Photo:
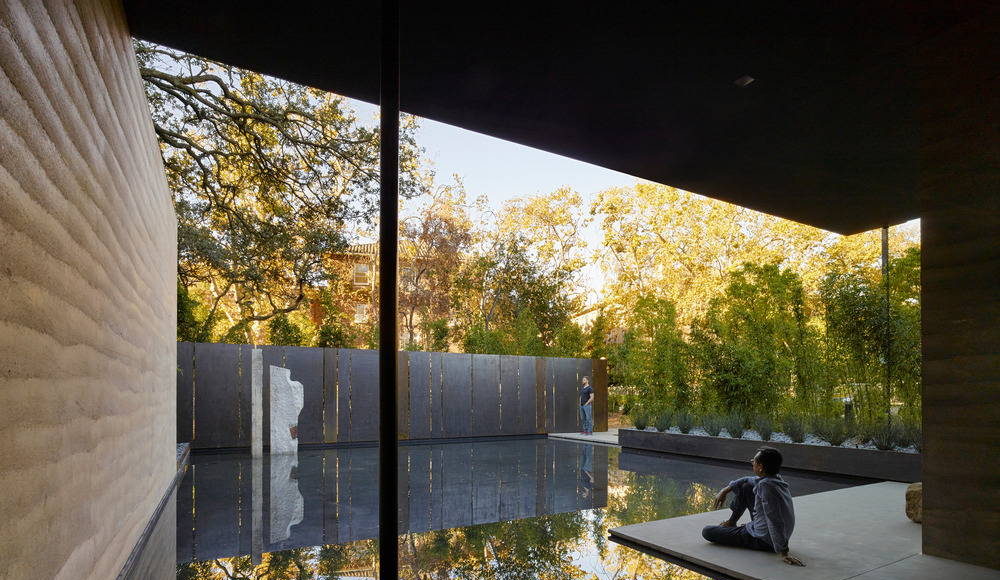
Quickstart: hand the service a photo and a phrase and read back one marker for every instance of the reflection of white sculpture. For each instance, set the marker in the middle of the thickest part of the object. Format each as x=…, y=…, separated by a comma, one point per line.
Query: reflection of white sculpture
x=286, y=501
x=286, y=404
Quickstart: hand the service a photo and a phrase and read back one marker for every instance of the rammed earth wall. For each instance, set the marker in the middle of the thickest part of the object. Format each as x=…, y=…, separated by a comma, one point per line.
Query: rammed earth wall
x=88, y=258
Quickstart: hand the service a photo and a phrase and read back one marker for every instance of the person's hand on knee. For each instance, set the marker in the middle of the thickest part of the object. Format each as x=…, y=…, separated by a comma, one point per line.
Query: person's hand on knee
x=720, y=499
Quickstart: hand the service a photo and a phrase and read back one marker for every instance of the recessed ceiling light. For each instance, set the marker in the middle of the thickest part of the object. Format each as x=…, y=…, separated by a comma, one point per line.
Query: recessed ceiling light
x=743, y=81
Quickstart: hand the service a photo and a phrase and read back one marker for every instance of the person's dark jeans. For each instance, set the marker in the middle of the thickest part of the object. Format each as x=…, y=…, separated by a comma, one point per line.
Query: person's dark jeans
x=738, y=536
x=587, y=418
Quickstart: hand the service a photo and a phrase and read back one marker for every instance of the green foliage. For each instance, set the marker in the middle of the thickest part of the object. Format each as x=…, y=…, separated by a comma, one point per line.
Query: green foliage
x=764, y=427
x=334, y=331
x=640, y=420
x=911, y=434
x=734, y=424
x=884, y=434
x=264, y=173
x=651, y=360
x=437, y=333
x=370, y=337
x=480, y=340
x=503, y=288
x=833, y=430
x=712, y=424
x=685, y=421
x=332, y=335
x=569, y=341
x=754, y=346
x=597, y=345
x=864, y=347
x=794, y=425
x=523, y=337
x=283, y=332
x=191, y=318
x=663, y=420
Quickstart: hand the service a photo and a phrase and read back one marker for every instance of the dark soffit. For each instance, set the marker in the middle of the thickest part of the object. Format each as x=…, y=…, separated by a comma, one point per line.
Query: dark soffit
x=826, y=134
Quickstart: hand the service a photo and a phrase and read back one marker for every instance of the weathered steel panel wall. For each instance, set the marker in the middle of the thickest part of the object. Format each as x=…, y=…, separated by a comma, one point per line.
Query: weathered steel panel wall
x=307, y=368
x=216, y=388
x=457, y=395
x=485, y=395
x=185, y=391
x=510, y=418
x=441, y=395
x=364, y=395
x=420, y=395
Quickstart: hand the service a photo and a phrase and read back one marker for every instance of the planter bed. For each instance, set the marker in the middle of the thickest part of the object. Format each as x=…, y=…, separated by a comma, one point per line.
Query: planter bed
x=890, y=465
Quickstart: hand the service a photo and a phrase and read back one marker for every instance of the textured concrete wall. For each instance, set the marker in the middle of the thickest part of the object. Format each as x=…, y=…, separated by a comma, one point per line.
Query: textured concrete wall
x=87, y=294
x=960, y=193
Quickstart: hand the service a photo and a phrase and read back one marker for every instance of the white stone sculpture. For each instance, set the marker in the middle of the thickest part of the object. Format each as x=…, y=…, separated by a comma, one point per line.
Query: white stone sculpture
x=286, y=404
x=287, y=506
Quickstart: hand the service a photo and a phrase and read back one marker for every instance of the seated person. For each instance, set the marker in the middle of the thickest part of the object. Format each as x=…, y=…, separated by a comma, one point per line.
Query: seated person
x=772, y=516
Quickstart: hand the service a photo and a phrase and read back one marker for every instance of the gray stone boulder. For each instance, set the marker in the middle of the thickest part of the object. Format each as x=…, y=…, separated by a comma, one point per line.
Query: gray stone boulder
x=915, y=502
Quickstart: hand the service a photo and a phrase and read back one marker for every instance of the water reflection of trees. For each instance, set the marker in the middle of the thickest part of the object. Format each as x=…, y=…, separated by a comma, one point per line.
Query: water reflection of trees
x=546, y=547
x=539, y=547
x=357, y=559
x=550, y=547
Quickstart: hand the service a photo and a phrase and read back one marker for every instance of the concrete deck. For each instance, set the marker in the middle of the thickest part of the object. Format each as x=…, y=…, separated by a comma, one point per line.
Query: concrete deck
x=609, y=437
x=858, y=532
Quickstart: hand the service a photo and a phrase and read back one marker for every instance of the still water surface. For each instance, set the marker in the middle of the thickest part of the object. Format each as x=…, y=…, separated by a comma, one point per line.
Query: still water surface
x=508, y=509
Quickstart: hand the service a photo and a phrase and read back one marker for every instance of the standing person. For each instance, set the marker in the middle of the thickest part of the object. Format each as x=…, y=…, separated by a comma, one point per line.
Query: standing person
x=587, y=408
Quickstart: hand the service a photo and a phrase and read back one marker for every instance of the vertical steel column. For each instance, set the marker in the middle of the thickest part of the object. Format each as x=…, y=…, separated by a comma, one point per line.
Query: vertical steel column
x=388, y=503
x=888, y=323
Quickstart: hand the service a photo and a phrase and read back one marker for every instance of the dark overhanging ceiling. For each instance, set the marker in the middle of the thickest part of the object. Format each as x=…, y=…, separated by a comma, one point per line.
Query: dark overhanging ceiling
x=826, y=134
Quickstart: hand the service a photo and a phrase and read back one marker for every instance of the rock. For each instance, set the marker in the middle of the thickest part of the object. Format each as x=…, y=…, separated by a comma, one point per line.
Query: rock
x=915, y=502
x=286, y=404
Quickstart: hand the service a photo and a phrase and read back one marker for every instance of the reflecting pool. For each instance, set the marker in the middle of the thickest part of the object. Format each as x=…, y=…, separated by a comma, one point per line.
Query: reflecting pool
x=503, y=509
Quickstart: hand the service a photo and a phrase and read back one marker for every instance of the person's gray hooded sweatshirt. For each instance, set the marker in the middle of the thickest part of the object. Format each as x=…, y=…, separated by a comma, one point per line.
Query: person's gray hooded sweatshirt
x=773, y=514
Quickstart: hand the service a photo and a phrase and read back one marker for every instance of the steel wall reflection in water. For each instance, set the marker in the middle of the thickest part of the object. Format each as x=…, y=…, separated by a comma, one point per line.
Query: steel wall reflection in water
x=441, y=486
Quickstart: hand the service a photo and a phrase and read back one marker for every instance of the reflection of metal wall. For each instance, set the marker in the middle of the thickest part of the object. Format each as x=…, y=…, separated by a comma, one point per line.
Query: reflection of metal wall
x=441, y=395
x=441, y=486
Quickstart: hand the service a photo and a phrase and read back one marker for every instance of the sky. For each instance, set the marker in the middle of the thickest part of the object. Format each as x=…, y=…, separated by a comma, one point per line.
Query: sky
x=502, y=170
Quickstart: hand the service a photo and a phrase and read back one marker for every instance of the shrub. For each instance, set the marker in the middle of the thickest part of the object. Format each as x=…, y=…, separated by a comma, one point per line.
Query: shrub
x=712, y=424
x=764, y=427
x=663, y=421
x=795, y=427
x=641, y=420
x=914, y=435
x=884, y=434
x=830, y=429
x=685, y=421
x=734, y=425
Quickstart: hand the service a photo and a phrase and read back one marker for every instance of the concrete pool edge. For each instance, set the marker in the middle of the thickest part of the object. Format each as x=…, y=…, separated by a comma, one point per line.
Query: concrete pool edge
x=874, y=464
x=140, y=551
x=840, y=534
